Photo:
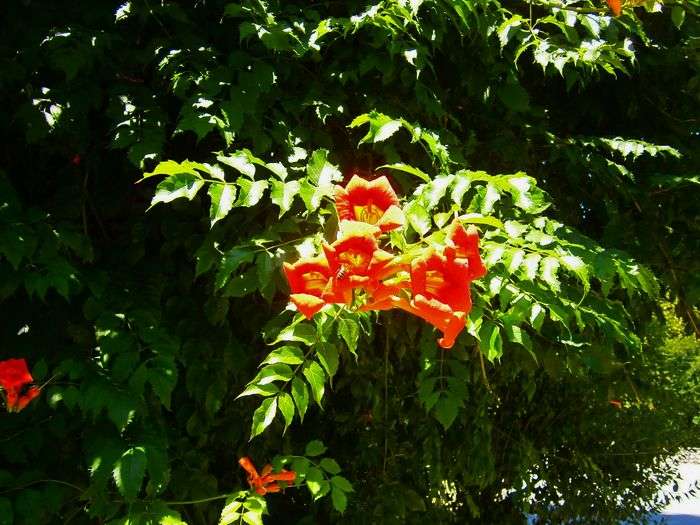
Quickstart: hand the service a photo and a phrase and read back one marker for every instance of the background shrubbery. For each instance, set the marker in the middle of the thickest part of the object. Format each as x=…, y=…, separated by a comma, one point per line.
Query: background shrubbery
x=152, y=322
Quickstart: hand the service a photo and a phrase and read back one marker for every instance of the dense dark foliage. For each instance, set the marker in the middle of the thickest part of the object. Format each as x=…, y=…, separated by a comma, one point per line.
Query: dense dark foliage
x=146, y=324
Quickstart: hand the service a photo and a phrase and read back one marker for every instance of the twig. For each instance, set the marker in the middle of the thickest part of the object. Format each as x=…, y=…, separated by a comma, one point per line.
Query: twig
x=483, y=371
x=582, y=10
x=634, y=389
x=386, y=396
x=36, y=482
x=196, y=501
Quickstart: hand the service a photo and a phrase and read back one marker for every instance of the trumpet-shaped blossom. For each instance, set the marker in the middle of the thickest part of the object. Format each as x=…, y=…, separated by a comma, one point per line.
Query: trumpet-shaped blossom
x=440, y=287
x=464, y=244
x=373, y=202
x=353, y=250
x=16, y=381
x=357, y=262
x=349, y=259
x=309, y=280
x=266, y=481
x=444, y=279
x=441, y=316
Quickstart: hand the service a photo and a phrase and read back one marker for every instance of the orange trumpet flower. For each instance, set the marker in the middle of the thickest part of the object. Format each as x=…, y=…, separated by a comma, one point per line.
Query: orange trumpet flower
x=444, y=279
x=441, y=296
x=464, y=244
x=266, y=481
x=349, y=259
x=441, y=316
x=373, y=202
x=309, y=280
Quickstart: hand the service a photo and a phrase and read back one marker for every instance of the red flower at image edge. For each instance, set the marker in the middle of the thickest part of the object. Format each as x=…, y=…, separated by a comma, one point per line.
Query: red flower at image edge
x=373, y=202
x=16, y=381
x=266, y=481
x=615, y=6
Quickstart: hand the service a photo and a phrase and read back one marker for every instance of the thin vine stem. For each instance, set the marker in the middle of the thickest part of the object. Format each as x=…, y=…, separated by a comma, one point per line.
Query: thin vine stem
x=386, y=397
x=37, y=481
x=197, y=501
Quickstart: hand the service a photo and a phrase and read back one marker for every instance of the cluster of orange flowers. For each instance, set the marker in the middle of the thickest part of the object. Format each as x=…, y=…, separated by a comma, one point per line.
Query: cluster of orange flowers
x=432, y=284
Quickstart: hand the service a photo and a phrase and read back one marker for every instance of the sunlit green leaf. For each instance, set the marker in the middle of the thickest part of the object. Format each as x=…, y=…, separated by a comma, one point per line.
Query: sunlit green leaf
x=286, y=406
x=301, y=396
x=222, y=199
x=263, y=416
x=177, y=186
x=349, y=330
x=283, y=193
x=407, y=169
x=314, y=375
x=491, y=343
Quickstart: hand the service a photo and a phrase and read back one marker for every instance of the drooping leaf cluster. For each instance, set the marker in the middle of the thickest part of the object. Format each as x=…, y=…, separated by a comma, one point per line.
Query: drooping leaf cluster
x=157, y=312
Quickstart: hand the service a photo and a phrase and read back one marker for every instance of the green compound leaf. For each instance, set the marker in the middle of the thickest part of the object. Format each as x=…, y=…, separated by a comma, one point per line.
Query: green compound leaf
x=315, y=376
x=301, y=396
x=340, y=500
x=250, y=192
x=341, y=483
x=272, y=373
x=320, y=170
x=446, y=410
x=407, y=169
x=286, y=406
x=287, y=354
x=282, y=194
x=328, y=356
x=418, y=217
x=381, y=127
x=231, y=512
x=222, y=198
x=170, y=167
x=129, y=471
x=239, y=161
x=315, y=448
x=177, y=186
x=491, y=342
x=349, y=330
x=330, y=465
x=263, y=416
x=302, y=333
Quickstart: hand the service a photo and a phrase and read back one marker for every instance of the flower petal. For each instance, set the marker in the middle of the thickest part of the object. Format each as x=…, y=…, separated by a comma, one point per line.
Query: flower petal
x=308, y=275
x=248, y=466
x=309, y=305
x=464, y=244
x=393, y=218
x=25, y=399
x=14, y=373
x=443, y=278
x=272, y=487
x=284, y=475
x=442, y=317
x=365, y=201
